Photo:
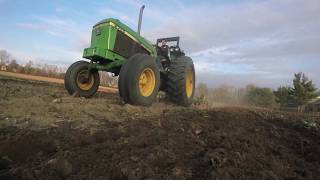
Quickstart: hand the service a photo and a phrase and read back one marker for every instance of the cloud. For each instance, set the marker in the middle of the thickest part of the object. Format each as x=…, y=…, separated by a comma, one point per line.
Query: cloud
x=30, y=26
x=133, y=3
x=74, y=37
x=202, y=27
x=256, y=39
x=108, y=12
x=54, y=26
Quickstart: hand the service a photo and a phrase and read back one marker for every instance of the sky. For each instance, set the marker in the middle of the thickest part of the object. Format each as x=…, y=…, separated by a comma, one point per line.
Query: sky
x=232, y=42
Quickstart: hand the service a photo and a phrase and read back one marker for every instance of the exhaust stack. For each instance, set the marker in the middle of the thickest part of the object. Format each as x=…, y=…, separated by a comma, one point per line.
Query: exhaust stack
x=140, y=18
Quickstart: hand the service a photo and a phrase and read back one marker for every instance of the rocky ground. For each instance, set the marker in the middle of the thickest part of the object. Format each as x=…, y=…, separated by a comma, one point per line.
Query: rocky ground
x=46, y=134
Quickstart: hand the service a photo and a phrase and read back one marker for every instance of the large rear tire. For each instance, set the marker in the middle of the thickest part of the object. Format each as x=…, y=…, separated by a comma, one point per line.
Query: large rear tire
x=180, y=79
x=140, y=81
x=122, y=79
x=79, y=79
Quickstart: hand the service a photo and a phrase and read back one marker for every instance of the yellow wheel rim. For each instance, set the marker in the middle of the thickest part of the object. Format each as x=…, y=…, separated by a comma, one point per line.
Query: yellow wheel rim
x=147, y=82
x=189, y=83
x=83, y=82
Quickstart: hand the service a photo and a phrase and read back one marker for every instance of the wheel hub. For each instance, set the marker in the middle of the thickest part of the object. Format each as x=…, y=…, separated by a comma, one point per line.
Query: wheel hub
x=189, y=83
x=85, y=80
x=147, y=82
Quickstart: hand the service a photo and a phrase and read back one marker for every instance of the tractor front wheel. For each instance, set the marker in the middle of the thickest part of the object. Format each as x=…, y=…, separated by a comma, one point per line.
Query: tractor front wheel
x=79, y=79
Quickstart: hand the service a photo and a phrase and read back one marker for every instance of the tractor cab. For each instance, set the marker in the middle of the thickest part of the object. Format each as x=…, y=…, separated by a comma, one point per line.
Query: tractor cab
x=169, y=47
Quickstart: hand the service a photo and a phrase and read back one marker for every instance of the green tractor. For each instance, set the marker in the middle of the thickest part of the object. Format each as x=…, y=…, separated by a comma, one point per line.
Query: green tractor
x=143, y=68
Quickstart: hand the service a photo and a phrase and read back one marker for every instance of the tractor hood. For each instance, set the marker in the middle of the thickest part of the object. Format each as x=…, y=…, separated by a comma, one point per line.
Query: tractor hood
x=129, y=32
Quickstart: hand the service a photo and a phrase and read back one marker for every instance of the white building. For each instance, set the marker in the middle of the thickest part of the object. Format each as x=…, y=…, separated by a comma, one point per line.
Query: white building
x=3, y=68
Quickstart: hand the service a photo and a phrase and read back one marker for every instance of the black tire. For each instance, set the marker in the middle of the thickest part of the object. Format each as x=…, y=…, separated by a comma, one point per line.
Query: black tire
x=122, y=79
x=163, y=81
x=77, y=81
x=138, y=65
x=67, y=78
x=176, y=85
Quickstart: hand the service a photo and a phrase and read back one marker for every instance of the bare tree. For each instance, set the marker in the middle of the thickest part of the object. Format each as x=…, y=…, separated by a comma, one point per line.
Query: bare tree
x=4, y=57
x=13, y=65
x=203, y=90
x=28, y=67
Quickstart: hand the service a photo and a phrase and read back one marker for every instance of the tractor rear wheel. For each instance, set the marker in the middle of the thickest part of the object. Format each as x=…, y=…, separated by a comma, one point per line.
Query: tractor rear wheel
x=122, y=79
x=180, y=79
x=140, y=81
x=79, y=79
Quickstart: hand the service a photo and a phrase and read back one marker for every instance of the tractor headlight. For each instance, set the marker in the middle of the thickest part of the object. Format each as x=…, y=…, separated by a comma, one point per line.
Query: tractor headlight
x=177, y=49
x=98, y=31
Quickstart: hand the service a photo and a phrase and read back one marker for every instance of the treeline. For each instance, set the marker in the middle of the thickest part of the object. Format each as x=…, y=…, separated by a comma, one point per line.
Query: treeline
x=107, y=80
x=301, y=92
x=54, y=71
x=46, y=70
x=250, y=95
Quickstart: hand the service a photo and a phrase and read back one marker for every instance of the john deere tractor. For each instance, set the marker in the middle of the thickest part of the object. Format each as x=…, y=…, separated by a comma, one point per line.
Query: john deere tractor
x=143, y=68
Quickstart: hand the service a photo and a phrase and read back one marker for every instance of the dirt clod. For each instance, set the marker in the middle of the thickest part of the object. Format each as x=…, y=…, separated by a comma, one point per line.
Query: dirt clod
x=58, y=100
x=5, y=162
x=62, y=166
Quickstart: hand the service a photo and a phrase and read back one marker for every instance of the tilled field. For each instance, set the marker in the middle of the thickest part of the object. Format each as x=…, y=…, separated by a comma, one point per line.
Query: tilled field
x=46, y=134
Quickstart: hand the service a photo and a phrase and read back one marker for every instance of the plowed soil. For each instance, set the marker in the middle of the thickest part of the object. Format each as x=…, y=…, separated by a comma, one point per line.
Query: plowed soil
x=46, y=134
